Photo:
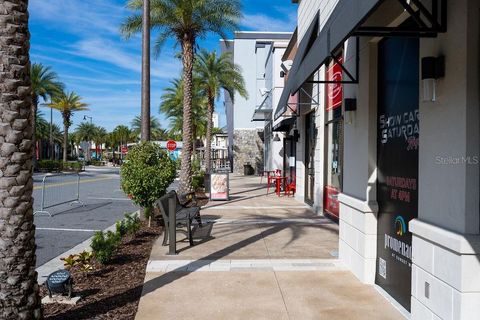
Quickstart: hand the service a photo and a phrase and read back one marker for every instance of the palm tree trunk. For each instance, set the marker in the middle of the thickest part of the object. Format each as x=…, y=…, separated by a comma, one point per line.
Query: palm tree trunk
x=34, y=129
x=146, y=72
x=18, y=278
x=65, y=141
x=185, y=181
x=194, y=141
x=208, y=147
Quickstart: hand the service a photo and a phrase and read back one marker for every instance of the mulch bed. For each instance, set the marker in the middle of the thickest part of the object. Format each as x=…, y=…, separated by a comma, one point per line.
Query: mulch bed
x=111, y=291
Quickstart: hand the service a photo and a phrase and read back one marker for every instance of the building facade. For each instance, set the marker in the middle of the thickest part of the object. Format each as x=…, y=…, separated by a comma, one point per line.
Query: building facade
x=250, y=51
x=384, y=100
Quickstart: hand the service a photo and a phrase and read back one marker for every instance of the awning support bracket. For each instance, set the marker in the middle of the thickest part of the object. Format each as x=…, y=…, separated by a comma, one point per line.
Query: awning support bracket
x=436, y=23
x=353, y=79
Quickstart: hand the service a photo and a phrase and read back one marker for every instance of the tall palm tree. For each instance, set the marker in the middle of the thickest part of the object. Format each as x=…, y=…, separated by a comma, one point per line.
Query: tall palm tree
x=172, y=107
x=216, y=73
x=18, y=278
x=86, y=132
x=67, y=104
x=45, y=85
x=186, y=21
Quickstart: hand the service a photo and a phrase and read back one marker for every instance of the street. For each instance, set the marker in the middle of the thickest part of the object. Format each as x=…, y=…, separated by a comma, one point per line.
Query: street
x=102, y=203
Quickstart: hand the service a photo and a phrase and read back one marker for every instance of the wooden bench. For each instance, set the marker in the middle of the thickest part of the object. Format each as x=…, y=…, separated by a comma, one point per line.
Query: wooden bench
x=184, y=216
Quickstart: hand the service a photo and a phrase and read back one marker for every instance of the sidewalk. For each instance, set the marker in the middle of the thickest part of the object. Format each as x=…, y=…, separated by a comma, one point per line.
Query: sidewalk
x=266, y=258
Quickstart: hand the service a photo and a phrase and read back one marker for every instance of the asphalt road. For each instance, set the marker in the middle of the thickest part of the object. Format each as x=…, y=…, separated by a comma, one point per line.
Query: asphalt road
x=102, y=204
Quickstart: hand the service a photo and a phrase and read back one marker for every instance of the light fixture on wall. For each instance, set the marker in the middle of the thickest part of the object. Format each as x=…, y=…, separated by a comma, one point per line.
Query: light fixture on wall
x=350, y=109
x=433, y=68
x=276, y=138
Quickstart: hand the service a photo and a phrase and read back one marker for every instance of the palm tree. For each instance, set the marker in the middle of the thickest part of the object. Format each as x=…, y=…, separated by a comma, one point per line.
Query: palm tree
x=172, y=107
x=45, y=85
x=123, y=135
x=99, y=137
x=18, y=290
x=156, y=131
x=186, y=21
x=215, y=73
x=86, y=132
x=67, y=104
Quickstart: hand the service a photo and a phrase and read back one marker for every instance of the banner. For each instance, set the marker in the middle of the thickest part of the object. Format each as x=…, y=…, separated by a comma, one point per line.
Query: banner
x=219, y=185
x=397, y=163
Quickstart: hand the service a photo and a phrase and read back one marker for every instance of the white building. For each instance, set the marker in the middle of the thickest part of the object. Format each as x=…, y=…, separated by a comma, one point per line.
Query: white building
x=250, y=51
x=384, y=96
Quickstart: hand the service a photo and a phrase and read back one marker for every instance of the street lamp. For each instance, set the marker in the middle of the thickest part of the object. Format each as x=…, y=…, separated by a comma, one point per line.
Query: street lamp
x=89, y=142
x=85, y=118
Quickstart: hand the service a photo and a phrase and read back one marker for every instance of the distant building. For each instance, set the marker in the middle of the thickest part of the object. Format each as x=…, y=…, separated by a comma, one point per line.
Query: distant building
x=215, y=120
x=251, y=51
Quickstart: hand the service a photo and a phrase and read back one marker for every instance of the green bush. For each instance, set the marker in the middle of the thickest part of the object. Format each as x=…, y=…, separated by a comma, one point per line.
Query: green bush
x=146, y=174
x=104, y=245
x=97, y=163
x=132, y=223
x=50, y=165
x=198, y=180
x=73, y=166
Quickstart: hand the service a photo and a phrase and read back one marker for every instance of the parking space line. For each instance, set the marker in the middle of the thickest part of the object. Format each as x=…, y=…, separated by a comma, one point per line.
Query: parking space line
x=65, y=229
x=73, y=182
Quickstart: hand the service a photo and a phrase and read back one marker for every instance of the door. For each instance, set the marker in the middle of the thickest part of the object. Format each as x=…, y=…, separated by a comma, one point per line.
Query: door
x=310, y=143
x=397, y=163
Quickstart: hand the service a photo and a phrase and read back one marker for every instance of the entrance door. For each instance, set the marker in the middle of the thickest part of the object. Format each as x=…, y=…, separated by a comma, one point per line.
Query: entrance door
x=397, y=162
x=310, y=142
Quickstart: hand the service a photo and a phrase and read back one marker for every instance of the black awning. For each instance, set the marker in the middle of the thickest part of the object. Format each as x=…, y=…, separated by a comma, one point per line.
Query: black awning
x=302, y=51
x=345, y=18
x=284, y=125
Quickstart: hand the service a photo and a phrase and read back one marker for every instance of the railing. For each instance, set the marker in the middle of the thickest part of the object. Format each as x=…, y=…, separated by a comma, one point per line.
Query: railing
x=59, y=189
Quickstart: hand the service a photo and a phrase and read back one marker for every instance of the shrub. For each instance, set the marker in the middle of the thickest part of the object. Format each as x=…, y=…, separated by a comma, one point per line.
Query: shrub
x=147, y=173
x=132, y=223
x=73, y=166
x=121, y=228
x=104, y=245
x=50, y=165
x=198, y=180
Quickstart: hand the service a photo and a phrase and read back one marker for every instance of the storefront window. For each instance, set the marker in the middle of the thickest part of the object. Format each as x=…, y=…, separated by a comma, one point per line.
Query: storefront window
x=334, y=140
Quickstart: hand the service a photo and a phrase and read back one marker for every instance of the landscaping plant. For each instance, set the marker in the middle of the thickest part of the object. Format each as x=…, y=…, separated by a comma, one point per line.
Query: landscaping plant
x=146, y=175
x=104, y=245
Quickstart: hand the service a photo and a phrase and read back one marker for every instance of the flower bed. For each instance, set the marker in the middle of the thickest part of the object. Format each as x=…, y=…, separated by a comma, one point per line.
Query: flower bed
x=110, y=291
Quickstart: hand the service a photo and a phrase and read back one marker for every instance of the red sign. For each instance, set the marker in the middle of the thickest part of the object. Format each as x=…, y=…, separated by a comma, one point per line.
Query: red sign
x=330, y=201
x=124, y=149
x=334, y=90
x=171, y=145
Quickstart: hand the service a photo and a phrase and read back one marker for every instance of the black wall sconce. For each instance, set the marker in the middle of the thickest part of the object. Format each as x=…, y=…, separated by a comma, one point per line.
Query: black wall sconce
x=350, y=108
x=433, y=68
x=276, y=138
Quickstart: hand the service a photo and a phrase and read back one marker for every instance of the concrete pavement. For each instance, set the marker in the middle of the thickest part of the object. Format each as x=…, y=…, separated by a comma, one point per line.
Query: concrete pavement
x=261, y=257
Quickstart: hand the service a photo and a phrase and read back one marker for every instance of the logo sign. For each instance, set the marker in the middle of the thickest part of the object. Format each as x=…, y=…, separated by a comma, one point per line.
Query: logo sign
x=171, y=145
x=334, y=90
x=124, y=149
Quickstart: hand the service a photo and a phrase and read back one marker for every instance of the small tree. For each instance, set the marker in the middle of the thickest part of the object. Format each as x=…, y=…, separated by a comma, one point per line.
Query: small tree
x=146, y=175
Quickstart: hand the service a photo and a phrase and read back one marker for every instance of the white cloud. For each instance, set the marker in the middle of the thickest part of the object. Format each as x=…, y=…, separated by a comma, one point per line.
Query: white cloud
x=109, y=52
x=102, y=16
x=262, y=22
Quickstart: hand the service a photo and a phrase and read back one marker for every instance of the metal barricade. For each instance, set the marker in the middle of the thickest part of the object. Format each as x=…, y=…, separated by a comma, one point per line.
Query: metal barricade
x=57, y=189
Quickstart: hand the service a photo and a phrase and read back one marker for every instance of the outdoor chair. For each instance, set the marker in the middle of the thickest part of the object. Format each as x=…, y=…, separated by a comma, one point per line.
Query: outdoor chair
x=290, y=187
x=184, y=216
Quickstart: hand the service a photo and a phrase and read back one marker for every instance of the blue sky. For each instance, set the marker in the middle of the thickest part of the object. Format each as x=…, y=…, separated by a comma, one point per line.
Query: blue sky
x=80, y=40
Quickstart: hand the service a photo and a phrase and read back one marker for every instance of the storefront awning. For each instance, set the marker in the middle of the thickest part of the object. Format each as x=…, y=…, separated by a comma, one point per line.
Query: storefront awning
x=347, y=20
x=303, y=49
x=284, y=125
x=263, y=112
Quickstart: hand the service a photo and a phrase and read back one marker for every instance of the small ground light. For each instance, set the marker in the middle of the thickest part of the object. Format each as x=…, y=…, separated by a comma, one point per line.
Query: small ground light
x=60, y=282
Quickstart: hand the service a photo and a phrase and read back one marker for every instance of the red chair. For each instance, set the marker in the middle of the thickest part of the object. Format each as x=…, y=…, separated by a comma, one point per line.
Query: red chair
x=291, y=187
x=271, y=179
